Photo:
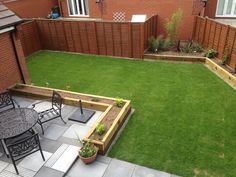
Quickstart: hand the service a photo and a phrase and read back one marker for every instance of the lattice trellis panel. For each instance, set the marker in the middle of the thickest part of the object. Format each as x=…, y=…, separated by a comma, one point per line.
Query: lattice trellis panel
x=119, y=16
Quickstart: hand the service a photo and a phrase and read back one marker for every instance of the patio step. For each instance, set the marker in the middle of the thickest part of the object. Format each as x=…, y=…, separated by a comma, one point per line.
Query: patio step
x=63, y=158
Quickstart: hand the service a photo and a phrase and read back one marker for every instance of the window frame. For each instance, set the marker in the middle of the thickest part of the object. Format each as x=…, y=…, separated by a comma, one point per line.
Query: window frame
x=225, y=9
x=83, y=8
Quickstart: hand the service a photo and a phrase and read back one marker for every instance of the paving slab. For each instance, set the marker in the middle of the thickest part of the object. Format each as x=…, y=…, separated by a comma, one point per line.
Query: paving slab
x=56, y=155
x=43, y=106
x=96, y=169
x=104, y=159
x=54, y=131
x=94, y=119
x=3, y=165
x=48, y=172
x=141, y=171
x=50, y=145
x=23, y=102
x=10, y=170
x=34, y=161
x=76, y=131
x=66, y=159
x=8, y=174
x=119, y=168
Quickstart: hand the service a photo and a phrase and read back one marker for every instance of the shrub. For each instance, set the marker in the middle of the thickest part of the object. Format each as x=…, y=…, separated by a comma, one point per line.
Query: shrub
x=190, y=47
x=172, y=27
x=187, y=48
x=119, y=102
x=155, y=45
x=225, y=59
x=100, y=129
x=197, y=47
x=211, y=53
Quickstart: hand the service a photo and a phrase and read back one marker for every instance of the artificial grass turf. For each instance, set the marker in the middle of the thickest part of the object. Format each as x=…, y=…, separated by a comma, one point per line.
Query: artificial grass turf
x=184, y=121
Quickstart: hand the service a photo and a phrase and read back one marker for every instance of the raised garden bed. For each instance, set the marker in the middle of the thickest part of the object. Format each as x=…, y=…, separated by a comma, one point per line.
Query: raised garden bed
x=113, y=117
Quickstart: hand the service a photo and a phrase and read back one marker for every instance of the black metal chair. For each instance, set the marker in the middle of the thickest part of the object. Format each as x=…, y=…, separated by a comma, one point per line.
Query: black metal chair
x=52, y=113
x=6, y=101
x=22, y=146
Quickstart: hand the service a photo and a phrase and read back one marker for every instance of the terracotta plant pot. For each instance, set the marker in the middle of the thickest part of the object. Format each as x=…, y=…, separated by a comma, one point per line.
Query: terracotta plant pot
x=89, y=160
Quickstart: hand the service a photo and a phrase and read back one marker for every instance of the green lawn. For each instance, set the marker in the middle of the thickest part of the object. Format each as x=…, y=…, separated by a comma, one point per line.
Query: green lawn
x=185, y=116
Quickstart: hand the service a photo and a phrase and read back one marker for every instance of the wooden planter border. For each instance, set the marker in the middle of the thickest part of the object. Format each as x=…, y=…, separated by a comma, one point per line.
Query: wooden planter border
x=175, y=58
x=105, y=142
x=228, y=77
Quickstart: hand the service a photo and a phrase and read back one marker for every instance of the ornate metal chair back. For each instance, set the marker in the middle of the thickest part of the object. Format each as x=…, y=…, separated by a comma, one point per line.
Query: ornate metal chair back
x=6, y=101
x=56, y=101
x=24, y=147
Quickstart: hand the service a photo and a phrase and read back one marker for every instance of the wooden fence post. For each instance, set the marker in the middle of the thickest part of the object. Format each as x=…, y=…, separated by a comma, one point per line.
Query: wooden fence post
x=142, y=40
x=204, y=30
x=130, y=39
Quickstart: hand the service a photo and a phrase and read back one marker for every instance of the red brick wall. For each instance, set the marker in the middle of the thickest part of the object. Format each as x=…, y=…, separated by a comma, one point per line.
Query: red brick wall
x=211, y=8
x=31, y=8
x=164, y=9
x=10, y=73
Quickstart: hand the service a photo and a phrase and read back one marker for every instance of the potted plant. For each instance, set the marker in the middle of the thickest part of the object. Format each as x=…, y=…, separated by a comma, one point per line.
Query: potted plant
x=88, y=152
x=55, y=12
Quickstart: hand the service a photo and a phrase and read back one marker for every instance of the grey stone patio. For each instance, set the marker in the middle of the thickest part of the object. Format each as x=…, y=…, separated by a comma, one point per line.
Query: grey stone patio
x=60, y=147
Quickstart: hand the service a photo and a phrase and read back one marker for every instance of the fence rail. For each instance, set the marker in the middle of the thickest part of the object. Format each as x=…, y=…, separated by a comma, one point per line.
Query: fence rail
x=122, y=39
x=221, y=37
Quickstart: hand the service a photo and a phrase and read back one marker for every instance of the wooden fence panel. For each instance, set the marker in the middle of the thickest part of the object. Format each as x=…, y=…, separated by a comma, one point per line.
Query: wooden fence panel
x=218, y=36
x=122, y=39
x=102, y=48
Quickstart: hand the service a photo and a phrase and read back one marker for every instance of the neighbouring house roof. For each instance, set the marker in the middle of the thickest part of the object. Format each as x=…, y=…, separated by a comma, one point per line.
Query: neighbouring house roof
x=8, y=18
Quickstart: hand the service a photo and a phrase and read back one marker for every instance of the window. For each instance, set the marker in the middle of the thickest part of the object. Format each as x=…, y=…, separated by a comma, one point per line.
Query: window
x=78, y=7
x=226, y=8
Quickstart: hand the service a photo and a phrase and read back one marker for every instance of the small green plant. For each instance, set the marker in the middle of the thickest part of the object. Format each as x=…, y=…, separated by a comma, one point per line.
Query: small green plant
x=225, y=59
x=119, y=102
x=211, y=53
x=95, y=99
x=172, y=27
x=100, y=129
x=47, y=84
x=68, y=87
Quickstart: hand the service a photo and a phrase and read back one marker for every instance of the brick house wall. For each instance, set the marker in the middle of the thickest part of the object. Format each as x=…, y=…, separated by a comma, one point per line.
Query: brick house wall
x=30, y=8
x=10, y=72
x=164, y=9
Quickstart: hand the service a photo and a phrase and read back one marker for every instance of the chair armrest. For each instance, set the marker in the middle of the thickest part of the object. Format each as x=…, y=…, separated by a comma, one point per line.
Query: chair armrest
x=33, y=105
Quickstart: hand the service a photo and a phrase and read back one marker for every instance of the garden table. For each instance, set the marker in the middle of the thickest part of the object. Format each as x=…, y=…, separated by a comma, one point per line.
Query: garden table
x=15, y=122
